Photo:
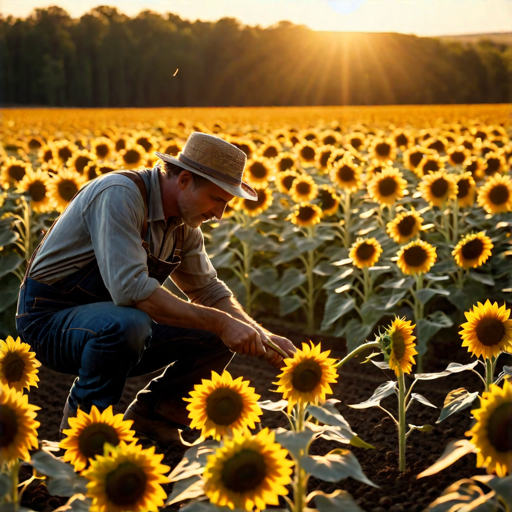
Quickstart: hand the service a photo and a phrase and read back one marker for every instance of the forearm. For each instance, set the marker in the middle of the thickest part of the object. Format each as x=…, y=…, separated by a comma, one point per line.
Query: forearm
x=231, y=306
x=165, y=308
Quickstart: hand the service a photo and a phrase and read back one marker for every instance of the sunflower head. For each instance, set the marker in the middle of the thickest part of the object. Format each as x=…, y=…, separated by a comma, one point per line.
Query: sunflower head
x=495, y=196
x=397, y=345
x=387, y=186
x=458, y=156
x=346, y=174
x=88, y=434
x=405, y=226
x=413, y=156
x=466, y=189
x=438, y=187
x=258, y=172
x=383, y=150
x=223, y=404
x=322, y=157
x=307, y=376
x=473, y=250
x=103, y=147
x=365, y=253
x=402, y=139
x=303, y=189
x=329, y=200
x=415, y=257
x=492, y=432
x=248, y=471
x=270, y=149
x=63, y=150
x=494, y=163
x=63, y=188
x=18, y=364
x=255, y=208
x=357, y=140
x=14, y=170
x=127, y=478
x=307, y=152
x=35, y=185
x=306, y=214
x=285, y=162
x=488, y=330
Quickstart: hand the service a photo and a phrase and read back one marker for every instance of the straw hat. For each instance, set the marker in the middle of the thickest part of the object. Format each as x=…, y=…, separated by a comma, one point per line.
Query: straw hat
x=216, y=160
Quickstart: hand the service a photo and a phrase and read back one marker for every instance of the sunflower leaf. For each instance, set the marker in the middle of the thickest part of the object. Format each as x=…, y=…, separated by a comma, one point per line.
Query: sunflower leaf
x=451, y=368
x=427, y=328
x=422, y=400
x=481, y=278
x=264, y=278
x=193, y=461
x=289, y=304
x=295, y=442
x=189, y=488
x=8, y=237
x=77, y=503
x=337, y=305
x=356, y=333
x=5, y=485
x=9, y=263
x=503, y=486
x=292, y=278
x=403, y=283
x=452, y=453
x=329, y=418
x=455, y=401
x=268, y=405
x=425, y=294
x=338, y=500
x=383, y=391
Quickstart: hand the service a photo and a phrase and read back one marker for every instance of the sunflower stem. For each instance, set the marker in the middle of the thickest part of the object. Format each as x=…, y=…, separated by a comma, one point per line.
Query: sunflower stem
x=489, y=373
x=347, y=212
x=401, y=420
x=418, y=312
x=310, y=265
x=247, y=280
x=15, y=480
x=356, y=351
x=455, y=213
x=367, y=284
x=299, y=484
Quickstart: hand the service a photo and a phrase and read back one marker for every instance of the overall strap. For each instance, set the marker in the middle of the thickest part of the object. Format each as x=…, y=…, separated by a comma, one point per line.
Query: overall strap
x=137, y=179
x=180, y=237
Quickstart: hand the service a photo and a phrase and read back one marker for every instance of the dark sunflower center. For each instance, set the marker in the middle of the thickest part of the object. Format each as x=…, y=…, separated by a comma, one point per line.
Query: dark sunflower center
x=224, y=406
x=173, y=150
x=270, y=152
x=480, y=135
x=355, y=142
x=93, y=438
x=406, y=225
x=398, y=345
x=258, y=170
x=472, y=249
x=303, y=188
x=48, y=155
x=102, y=149
x=120, y=144
x=458, y=157
x=310, y=136
x=285, y=163
x=493, y=164
x=500, y=428
x=439, y=187
x=306, y=213
x=472, y=167
x=67, y=189
x=64, y=153
x=34, y=144
x=287, y=182
x=8, y=425
x=126, y=484
x=17, y=172
x=13, y=367
x=330, y=139
x=245, y=471
x=438, y=145
x=37, y=191
x=383, y=149
x=490, y=331
x=306, y=376
x=254, y=205
x=145, y=143
x=387, y=186
x=430, y=165
x=464, y=188
x=468, y=145
x=415, y=256
x=415, y=158
x=365, y=251
x=307, y=153
x=499, y=194
x=324, y=158
x=327, y=200
x=346, y=173
x=132, y=156
x=401, y=140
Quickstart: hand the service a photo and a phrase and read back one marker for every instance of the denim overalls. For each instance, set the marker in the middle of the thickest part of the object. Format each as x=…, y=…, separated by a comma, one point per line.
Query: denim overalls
x=74, y=327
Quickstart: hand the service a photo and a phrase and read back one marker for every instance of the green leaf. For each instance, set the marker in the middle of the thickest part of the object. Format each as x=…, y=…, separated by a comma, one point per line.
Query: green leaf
x=383, y=391
x=289, y=304
x=337, y=305
x=423, y=428
x=370, y=312
x=10, y=286
x=422, y=400
x=265, y=278
x=481, y=278
x=223, y=260
x=335, y=466
x=334, y=419
x=425, y=294
x=324, y=269
x=433, y=277
x=451, y=368
x=268, y=405
x=452, y=453
x=464, y=298
x=186, y=489
x=342, y=277
x=356, y=333
x=9, y=263
x=295, y=442
x=389, y=301
x=503, y=486
x=8, y=237
x=5, y=485
x=193, y=461
x=400, y=284
x=338, y=501
x=246, y=235
x=307, y=244
x=455, y=401
x=292, y=278
x=427, y=328
x=206, y=506
x=77, y=503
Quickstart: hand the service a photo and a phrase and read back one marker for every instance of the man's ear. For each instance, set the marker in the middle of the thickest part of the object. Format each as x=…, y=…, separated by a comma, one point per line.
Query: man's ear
x=185, y=179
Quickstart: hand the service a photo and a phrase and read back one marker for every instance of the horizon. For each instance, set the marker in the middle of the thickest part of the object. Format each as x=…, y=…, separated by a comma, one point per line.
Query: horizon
x=423, y=18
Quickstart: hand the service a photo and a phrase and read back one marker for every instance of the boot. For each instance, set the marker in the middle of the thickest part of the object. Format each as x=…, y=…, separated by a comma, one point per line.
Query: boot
x=67, y=413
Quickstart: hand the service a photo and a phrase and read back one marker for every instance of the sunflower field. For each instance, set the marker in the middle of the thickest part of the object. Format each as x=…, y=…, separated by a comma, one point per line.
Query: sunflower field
x=381, y=233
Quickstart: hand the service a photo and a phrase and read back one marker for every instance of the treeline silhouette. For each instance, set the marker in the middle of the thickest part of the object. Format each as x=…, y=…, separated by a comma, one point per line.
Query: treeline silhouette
x=107, y=59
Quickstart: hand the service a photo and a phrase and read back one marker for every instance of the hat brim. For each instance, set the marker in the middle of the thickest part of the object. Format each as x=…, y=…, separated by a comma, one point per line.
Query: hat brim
x=243, y=190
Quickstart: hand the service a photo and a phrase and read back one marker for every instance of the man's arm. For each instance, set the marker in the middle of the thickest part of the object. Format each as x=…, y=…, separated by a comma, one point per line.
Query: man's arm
x=165, y=308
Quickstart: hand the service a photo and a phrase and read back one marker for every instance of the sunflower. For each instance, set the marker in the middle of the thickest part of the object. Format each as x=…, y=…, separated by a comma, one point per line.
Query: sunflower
x=305, y=214
x=309, y=134
x=413, y=156
x=473, y=250
x=438, y=144
x=63, y=150
x=245, y=145
x=46, y=153
x=285, y=162
x=387, y=186
x=365, y=253
x=322, y=157
x=303, y=189
x=132, y=156
x=270, y=149
x=495, y=196
x=466, y=189
x=284, y=180
x=88, y=433
x=18, y=364
x=127, y=478
x=475, y=166
x=438, y=187
x=171, y=147
x=429, y=164
x=494, y=163
x=254, y=208
x=13, y=171
x=405, y=226
x=329, y=200
x=248, y=471
x=80, y=160
x=357, y=140
x=402, y=139
x=102, y=148
x=63, y=187
x=458, y=155
x=383, y=150
x=492, y=432
x=329, y=138
x=35, y=142
x=398, y=345
x=223, y=404
x=488, y=330
x=145, y=140
x=346, y=175
x=373, y=170
x=35, y=185
x=307, y=376
x=18, y=427
x=336, y=156
x=307, y=152
x=415, y=257
x=258, y=172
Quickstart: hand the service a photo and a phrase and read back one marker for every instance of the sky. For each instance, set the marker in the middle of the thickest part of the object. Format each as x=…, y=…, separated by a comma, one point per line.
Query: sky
x=420, y=17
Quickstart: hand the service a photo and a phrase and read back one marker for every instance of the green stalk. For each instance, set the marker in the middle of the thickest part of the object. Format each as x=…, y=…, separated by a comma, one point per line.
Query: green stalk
x=356, y=351
x=401, y=420
x=418, y=313
x=489, y=373
x=367, y=284
x=347, y=212
x=299, y=483
x=310, y=327
x=15, y=480
x=247, y=253
x=455, y=214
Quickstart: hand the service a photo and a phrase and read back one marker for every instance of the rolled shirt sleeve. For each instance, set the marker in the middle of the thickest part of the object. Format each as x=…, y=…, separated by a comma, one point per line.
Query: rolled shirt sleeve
x=195, y=275
x=114, y=220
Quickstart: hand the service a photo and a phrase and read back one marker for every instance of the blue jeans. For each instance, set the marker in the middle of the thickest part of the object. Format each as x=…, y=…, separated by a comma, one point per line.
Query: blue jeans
x=104, y=344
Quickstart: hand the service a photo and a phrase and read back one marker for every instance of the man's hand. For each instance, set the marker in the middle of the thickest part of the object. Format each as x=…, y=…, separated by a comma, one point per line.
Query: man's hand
x=271, y=356
x=242, y=338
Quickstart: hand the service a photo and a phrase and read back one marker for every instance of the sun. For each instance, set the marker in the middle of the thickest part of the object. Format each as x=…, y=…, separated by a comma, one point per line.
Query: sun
x=473, y=250
x=18, y=364
x=223, y=404
x=248, y=471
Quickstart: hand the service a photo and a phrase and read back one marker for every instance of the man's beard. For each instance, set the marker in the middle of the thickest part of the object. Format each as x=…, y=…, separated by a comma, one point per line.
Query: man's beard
x=190, y=220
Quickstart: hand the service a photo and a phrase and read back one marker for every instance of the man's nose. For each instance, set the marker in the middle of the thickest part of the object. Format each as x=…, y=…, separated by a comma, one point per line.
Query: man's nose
x=219, y=211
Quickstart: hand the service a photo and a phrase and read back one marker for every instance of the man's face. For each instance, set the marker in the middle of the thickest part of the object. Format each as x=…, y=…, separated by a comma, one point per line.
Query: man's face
x=198, y=205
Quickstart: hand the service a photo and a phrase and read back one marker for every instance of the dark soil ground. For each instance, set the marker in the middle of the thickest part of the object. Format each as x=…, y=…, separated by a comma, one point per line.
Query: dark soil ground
x=397, y=492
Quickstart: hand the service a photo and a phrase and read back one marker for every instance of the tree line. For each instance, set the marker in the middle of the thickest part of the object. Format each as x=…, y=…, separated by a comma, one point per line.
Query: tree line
x=107, y=59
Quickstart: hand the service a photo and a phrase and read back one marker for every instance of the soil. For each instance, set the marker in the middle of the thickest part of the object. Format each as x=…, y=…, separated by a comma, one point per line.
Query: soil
x=397, y=491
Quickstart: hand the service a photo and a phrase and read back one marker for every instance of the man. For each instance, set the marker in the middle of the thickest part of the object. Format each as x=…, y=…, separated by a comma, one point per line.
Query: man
x=92, y=302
